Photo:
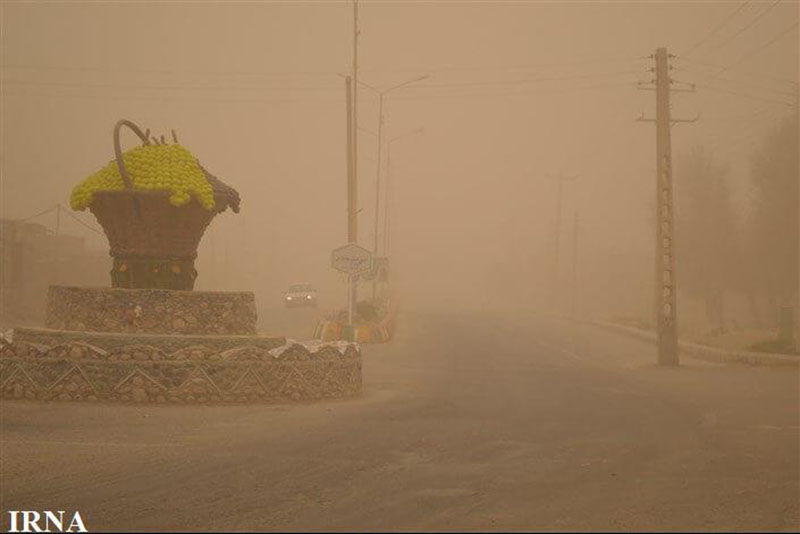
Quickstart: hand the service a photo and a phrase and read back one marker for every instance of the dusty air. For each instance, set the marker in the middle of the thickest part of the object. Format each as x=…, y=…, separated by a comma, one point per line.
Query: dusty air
x=388, y=265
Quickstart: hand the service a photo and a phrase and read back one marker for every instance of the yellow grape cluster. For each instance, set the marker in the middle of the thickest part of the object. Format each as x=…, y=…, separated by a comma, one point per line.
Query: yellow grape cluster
x=169, y=168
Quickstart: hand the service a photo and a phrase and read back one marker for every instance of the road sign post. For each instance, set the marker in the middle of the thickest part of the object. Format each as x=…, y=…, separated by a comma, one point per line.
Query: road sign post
x=352, y=260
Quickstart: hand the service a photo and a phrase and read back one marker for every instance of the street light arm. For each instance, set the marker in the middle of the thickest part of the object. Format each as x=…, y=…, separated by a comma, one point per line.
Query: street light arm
x=361, y=82
x=414, y=80
x=371, y=88
x=407, y=134
x=398, y=86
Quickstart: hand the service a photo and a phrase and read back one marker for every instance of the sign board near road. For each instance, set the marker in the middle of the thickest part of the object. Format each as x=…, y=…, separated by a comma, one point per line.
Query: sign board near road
x=351, y=259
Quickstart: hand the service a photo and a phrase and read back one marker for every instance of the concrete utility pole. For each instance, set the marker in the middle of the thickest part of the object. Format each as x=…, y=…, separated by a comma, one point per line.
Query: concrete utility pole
x=352, y=195
x=665, y=286
x=353, y=214
x=574, y=263
x=560, y=178
x=352, y=190
x=354, y=131
x=377, y=192
x=666, y=314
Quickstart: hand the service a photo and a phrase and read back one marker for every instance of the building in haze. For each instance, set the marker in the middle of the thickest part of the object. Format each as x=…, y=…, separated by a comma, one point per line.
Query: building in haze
x=32, y=257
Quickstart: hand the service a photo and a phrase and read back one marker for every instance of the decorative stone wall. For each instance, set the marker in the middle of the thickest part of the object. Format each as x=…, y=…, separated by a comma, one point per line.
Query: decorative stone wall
x=136, y=373
x=152, y=311
x=166, y=343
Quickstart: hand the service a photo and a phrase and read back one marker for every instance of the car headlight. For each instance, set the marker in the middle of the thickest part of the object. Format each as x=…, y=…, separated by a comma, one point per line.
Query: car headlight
x=308, y=297
x=288, y=298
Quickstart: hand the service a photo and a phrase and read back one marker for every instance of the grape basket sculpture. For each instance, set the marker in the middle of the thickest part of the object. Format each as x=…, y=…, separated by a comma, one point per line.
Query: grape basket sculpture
x=154, y=213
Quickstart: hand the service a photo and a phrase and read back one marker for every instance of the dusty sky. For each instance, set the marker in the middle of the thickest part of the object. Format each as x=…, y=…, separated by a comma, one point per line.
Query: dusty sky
x=517, y=91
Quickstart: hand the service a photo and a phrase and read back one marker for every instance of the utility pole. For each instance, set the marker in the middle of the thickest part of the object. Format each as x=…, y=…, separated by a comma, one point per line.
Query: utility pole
x=665, y=254
x=386, y=209
x=353, y=188
x=665, y=286
x=377, y=193
x=352, y=194
x=560, y=179
x=354, y=130
x=575, y=227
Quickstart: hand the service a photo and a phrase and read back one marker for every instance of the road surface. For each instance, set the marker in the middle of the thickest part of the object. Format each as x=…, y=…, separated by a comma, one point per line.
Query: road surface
x=467, y=422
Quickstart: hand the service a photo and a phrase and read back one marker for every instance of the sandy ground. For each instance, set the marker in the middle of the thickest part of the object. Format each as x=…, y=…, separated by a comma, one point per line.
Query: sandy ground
x=467, y=423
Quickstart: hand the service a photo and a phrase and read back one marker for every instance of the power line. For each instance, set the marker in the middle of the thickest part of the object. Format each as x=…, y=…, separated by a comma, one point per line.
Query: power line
x=718, y=66
x=79, y=221
x=528, y=66
x=717, y=28
x=744, y=84
x=763, y=113
x=744, y=95
x=68, y=212
x=169, y=71
x=177, y=98
x=747, y=26
x=305, y=88
x=168, y=87
x=517, y=93
x=444, y=68
x=319, y=100
x=528, y=80
x=45, y=212
x=758, y=49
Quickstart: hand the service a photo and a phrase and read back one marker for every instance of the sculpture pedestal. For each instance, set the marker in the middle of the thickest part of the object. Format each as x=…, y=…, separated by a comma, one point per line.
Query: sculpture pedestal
x=164, y=346
x=151, y=311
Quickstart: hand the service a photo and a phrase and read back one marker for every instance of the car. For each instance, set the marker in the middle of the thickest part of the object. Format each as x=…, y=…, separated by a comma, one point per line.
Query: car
x=300, y=295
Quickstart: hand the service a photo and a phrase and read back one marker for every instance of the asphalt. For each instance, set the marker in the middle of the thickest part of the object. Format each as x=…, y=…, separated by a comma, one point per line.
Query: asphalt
x=467, y=422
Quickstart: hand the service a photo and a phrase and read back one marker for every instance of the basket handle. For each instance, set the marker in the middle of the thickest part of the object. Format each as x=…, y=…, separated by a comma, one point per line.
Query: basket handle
x=123, y=172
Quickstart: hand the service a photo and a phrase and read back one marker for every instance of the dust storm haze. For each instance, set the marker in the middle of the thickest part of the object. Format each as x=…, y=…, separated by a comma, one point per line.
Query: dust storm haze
x=517, y=92
x=518, y=172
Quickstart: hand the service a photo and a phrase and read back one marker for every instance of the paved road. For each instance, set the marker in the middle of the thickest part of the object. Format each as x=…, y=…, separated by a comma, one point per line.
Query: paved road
x=467, y=423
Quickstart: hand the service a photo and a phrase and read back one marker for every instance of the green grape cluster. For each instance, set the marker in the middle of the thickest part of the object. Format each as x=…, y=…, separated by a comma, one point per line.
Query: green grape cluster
x=169, y=168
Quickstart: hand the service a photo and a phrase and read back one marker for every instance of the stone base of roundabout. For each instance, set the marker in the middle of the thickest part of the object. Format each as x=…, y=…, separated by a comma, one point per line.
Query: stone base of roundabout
x=135, y=367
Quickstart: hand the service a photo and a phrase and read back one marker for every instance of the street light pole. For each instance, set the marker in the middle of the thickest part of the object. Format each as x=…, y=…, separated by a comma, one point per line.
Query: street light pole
x=377, y=189
x=381, y=94
x=386, y=189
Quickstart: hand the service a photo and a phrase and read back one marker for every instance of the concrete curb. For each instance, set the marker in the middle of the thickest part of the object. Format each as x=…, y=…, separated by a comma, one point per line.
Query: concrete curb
x=707, y=353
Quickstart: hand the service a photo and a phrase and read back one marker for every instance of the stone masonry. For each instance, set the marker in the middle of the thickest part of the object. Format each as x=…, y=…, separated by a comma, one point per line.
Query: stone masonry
x=153, y=311
x=78, y=371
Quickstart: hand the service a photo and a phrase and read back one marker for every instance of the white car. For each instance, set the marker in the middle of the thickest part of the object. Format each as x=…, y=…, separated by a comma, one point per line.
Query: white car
x=300, y=295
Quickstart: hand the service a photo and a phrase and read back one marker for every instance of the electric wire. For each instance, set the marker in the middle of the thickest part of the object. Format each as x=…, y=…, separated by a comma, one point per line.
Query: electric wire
x=759, y=48
x=744, y=95
x=711, y=65
x=79, y=221
x=717, y=28
x=747, y=85
x=747, y=26
x=48, y=210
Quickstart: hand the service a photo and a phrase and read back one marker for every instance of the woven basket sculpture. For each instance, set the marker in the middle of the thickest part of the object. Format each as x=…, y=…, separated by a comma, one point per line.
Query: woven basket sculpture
x=154, y=243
